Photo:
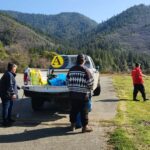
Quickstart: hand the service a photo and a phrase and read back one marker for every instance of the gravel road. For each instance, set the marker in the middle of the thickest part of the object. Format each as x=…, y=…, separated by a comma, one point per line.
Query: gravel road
x=49, y=130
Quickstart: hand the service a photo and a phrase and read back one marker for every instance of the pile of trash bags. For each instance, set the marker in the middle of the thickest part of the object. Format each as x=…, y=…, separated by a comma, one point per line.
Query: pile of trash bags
x=58, y=80
x=36, y=77
x=52, y=79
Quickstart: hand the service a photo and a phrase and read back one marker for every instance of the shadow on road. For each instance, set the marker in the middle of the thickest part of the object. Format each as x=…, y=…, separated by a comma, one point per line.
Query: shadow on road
x=112, y=100
x=108, y=100
x=25, y=116
x=36, y=134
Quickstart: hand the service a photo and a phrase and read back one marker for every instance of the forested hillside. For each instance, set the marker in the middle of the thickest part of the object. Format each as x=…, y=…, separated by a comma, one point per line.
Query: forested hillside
x=17, y=43
x=121, y=41
x=115, y=45
x=62, y=27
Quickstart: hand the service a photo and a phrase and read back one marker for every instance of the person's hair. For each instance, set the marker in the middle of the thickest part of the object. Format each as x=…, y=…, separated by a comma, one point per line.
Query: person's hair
x=10, y=66
x=137, y=64
x=80, y=59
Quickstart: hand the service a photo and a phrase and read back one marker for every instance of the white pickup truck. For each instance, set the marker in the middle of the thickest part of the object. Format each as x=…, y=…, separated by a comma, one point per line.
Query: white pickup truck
x=58, y=95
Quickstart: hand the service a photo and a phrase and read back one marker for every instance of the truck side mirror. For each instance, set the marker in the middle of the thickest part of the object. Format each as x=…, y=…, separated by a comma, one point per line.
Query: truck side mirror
x=97, y=68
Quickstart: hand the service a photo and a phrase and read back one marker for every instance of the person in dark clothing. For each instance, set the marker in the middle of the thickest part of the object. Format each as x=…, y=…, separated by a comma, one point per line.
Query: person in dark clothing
x=138, y=82
x=80, y=83
x=8, y=93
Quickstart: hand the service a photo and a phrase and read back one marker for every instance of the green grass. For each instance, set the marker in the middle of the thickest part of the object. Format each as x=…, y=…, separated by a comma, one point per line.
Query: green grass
x=121, y=141
x=133, y=118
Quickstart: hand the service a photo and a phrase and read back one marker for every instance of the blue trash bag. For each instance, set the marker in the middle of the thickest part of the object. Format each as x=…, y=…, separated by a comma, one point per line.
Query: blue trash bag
x=59, y=80
x=78, y=120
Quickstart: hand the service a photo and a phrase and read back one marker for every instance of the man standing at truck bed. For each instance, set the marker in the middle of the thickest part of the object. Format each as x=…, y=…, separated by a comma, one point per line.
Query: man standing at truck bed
x=80, y=83
x=8, y=93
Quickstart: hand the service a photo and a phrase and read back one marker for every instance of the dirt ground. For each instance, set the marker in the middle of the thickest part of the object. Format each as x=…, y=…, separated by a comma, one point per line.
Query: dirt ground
x=49, y=129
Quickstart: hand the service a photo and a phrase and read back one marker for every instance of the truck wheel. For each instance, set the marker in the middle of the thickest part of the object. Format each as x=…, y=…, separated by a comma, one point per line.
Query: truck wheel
x=37, y=103
x=97, y=91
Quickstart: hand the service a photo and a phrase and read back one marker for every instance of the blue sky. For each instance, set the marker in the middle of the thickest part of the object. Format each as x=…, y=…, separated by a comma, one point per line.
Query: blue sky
x=98, y=10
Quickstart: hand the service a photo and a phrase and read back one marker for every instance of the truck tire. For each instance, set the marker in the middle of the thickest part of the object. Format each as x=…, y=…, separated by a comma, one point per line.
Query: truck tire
x=37, y=103
x=97, y=91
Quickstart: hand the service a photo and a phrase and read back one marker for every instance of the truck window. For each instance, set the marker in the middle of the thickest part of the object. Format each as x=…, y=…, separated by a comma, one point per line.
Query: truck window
x=70, y=61
x=74, y=59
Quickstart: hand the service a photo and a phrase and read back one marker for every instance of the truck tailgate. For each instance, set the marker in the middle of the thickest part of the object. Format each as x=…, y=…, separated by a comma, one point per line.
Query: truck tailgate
x=46, y=88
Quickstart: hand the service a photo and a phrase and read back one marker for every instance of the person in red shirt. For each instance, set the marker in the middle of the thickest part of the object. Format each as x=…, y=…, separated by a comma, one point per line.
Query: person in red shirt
x=138, y=82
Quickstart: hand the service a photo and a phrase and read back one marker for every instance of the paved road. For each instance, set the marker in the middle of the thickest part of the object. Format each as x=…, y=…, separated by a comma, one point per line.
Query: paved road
x=49, y=130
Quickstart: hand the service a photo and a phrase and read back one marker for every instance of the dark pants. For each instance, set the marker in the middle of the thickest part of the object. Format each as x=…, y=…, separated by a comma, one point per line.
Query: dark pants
x=78, y=121
x=6, y=109
x=79, y=105
x=137, y=88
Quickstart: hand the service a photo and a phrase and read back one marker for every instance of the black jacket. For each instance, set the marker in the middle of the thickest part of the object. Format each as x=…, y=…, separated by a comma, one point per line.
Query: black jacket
x=8, y=86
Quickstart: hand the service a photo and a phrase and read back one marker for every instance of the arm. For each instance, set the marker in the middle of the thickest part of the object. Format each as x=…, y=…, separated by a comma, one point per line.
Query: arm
x=143, y=75
x=140, y=73
x=67, y=78
x=10, y=88
x=90, y=80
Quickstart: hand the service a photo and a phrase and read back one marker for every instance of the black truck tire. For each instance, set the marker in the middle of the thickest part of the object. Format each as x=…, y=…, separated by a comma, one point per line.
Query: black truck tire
x=97, y=91
x=37, y=103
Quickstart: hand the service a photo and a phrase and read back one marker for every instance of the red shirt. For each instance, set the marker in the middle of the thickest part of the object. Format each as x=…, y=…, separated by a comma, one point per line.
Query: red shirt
x=137, y=76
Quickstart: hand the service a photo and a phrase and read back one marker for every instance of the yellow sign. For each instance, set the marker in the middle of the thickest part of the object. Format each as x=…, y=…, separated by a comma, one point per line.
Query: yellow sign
x=57, y=61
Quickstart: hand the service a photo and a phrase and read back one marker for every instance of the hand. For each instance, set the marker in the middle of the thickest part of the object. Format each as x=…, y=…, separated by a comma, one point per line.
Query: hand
x=87, y=97
x=14, y=97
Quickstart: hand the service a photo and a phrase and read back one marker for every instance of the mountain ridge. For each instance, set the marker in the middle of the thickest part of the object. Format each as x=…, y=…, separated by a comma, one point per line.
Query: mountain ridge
x=115, y=45
x=62, y=26
x=124, y=28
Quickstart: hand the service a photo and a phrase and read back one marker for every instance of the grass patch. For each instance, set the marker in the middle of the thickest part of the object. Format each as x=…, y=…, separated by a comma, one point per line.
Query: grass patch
x=133, y=118
x=119, y=137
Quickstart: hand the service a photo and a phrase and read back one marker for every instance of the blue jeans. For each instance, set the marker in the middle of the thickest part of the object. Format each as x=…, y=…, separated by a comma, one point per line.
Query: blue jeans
x=6, y=109
x=78, y=120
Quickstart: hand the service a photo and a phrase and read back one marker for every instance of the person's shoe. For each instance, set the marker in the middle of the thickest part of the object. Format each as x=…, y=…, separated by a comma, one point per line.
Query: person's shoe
x=136, y=100
x=87, y=129
x=78, y=126
x=146, y=99
x=72, y=127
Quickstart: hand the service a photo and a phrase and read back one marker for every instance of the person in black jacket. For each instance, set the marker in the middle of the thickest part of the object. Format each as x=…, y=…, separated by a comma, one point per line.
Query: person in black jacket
x=80, y=83
x=8, y=93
